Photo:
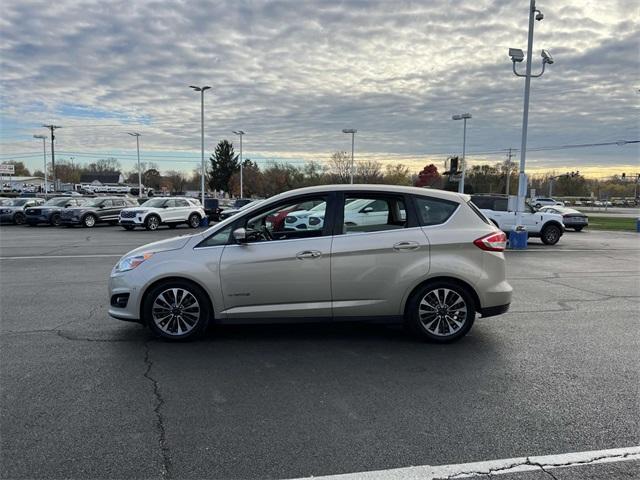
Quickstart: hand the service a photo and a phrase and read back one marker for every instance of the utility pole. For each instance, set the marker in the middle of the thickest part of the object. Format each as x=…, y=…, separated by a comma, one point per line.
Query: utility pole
x=54, y=179
x=137, y=135
x=464, y=117
x=509, y=155
x=240, y=133
x=201, y=90
x=353, y=132
x=44, y=151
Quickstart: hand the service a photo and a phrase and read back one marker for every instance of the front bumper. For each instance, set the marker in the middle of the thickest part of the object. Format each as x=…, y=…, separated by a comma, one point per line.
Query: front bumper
x=36, y=219
x=125, y=284
x=136, y=221
x=6, y=217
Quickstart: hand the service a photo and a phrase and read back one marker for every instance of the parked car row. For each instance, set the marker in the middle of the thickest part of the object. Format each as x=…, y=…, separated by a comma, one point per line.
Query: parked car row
x=115, y=210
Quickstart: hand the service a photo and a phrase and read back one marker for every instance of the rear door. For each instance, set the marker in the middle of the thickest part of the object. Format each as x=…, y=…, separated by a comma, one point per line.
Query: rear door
x=183, y=209
x=106, y=213
x=374, y=263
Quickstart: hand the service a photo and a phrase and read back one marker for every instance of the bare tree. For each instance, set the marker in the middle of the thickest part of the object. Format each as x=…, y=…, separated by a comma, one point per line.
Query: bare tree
x=340, y=165
x=369, y=171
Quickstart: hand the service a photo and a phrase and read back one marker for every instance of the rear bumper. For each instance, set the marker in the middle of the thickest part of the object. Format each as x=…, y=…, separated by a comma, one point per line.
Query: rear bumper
x=493, y=311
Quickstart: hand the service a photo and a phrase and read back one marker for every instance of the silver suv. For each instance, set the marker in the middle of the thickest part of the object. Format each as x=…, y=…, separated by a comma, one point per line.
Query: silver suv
x=427, y=258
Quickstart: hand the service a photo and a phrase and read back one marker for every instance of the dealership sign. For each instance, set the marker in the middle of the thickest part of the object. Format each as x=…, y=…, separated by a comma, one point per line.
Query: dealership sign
x=6, y=169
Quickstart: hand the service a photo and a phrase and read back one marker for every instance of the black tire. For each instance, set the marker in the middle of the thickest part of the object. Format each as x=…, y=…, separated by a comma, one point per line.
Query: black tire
x=199, y=326
x=19, y=218
x=89, y=220
x=55, y=220
x=538, y=206
x=550, y=234
x=578, y=229
x=152, y=222
x=128, y=227
x=172, y=225
x=194, y=220
x=442, y=331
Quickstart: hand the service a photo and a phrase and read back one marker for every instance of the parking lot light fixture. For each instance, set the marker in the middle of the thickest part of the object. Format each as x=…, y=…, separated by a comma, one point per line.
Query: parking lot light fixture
x=353, y=132
x=464, y=117
x=517, y=56
x=202, y=172
x=44, y=151
x=240, y=133
x=137, y=135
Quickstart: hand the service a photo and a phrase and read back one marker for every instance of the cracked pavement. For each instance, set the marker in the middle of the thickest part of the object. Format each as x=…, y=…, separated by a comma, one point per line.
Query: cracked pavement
x=86, y=396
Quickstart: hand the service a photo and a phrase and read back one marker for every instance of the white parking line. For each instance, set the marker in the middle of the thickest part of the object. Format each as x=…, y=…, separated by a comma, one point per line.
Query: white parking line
x=31, y=257
x=495, y=467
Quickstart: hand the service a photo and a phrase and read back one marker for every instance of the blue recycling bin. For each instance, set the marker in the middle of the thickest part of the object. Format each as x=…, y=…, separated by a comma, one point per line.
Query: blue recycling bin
x=518, y=239
x=204, y=223
x=638, y=224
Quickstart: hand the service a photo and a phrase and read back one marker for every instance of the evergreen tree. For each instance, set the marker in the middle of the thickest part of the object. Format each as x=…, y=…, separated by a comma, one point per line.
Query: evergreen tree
x=224, y=163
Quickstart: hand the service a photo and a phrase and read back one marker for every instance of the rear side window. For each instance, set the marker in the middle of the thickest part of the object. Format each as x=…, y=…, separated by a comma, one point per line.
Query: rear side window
x=373, y=214
x=434, y=211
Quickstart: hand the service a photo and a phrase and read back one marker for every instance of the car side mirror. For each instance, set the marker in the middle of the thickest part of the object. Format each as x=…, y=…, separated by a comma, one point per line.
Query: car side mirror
x=240, y=235
x=67, y=205
x=367, y=210
x=165, y=206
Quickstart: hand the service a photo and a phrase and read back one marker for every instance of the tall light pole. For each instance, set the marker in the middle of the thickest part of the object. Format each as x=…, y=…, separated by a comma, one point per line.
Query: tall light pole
x=240, y=133
x=52, y=128
x=201, y=90
x=353, y=132
x=517, y=56
x=137, y=135
x=464, y=117
x=44, y=151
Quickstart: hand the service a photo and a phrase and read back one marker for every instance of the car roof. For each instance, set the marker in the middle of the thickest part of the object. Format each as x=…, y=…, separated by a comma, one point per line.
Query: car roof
x=446, y=195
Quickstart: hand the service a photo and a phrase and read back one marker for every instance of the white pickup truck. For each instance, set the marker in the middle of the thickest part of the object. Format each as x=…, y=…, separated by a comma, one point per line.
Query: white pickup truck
x=547, y=226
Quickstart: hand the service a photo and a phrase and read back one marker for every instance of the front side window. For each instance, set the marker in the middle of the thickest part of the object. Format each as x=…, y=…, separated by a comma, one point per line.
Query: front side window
x=288, y=220
x=218, y=239
x=434, y=211
x=366, y=214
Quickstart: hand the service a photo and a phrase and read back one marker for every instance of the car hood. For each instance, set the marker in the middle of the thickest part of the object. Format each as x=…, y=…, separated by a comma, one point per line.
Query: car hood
x=175, y=243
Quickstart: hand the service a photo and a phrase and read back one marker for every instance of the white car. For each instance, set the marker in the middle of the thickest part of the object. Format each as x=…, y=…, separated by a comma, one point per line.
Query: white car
x=157, y=211
x=546, y=202
x=356, y=214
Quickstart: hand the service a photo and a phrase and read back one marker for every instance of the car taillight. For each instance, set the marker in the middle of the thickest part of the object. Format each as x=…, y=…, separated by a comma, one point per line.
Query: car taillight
x=494, y=242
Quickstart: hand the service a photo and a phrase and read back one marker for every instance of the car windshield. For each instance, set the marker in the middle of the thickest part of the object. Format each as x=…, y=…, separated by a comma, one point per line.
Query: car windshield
x=154, y=202
x=19, y=202
x=250, y=204
x=5, y=201
x=56, y=202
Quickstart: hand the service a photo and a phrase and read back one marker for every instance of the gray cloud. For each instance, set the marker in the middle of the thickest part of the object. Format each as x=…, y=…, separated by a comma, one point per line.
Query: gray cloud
x=294, y=73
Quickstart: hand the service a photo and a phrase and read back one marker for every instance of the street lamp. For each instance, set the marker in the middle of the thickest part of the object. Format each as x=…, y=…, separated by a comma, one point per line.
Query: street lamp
x=465, y=117
x=517, y=56
x=240, y=133
x=201, y=90
x=44, y=151
x=353, y=132
x=137, y=135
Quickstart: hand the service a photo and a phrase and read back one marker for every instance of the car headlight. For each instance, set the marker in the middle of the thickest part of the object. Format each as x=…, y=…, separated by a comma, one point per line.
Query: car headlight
x=314, y=221
x=290, y=219
x=5, y=210
x=129, y=263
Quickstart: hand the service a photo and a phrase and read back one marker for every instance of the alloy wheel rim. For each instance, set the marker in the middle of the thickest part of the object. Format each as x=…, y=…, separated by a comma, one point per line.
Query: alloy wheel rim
x=442, y=312
x=89, y=221
x=194, y=221
x=176, y=311
x=19, y=218
x=153, y=223
x=552, y=235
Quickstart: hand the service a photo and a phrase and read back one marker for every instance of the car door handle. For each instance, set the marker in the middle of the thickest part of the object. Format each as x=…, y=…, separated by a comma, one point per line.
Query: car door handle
x=308, y=254
x=400, y=246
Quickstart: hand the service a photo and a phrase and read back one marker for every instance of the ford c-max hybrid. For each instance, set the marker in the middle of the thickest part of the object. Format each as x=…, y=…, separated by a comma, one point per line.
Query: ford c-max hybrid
x=430, y=260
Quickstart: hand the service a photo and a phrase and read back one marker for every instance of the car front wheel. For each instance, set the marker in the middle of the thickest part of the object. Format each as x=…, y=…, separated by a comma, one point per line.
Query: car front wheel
x=550, y=234
x=128, y=227
x=177, y=310
x=441, y=312
x=55, y=220
x=152, y=222
x=19, y=218
x=89, y=221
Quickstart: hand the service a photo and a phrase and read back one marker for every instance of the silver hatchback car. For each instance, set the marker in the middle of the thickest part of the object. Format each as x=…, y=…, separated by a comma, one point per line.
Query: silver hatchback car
x=427, y=258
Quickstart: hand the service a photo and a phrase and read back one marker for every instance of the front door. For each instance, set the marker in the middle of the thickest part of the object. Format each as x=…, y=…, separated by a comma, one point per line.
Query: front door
x=373, y=265
x=277, y=273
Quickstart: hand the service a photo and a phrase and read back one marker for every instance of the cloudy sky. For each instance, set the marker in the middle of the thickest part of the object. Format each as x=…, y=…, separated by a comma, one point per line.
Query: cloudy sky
x=293, y=74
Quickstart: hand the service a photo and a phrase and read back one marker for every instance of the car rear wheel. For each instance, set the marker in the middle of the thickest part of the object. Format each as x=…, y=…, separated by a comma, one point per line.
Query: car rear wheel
x=152, y=222
x=441, y=312
x=19, y=218
x=89, y=220
x=55, y=220
x=194, y=220
x=550, y=234
x=578, y=229
x=177, y=310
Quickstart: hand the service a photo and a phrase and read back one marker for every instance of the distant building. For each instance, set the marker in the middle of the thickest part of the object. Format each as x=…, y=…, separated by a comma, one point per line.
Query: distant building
x=98, y=179
x=21, y=184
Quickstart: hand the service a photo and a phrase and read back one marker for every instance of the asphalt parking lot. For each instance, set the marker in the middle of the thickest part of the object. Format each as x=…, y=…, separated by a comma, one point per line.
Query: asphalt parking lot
x=86, y=396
